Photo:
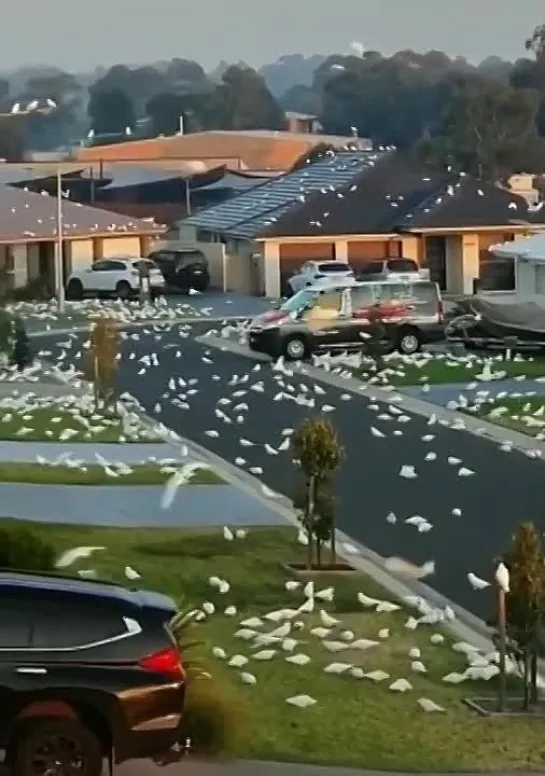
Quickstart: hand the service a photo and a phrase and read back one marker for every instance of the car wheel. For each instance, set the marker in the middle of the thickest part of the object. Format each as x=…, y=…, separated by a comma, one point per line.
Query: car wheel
x=74, y=290
x=409, y=341
x=47, y=746
x=295, y=349
x=123, y=290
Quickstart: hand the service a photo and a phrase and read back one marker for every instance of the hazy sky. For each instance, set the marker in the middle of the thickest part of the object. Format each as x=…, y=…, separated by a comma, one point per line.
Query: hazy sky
x=80, y=35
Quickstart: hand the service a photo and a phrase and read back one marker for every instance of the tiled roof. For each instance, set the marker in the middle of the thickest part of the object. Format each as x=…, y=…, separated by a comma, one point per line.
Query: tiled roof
x=373, y=202
x=399, y=193
x=265, y=203
x=26, y=216
x=255, y=150
x=470, y=202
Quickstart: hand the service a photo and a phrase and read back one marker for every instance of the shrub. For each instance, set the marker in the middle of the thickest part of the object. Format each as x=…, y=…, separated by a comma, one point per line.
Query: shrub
x=23, y=550
x=211, y=720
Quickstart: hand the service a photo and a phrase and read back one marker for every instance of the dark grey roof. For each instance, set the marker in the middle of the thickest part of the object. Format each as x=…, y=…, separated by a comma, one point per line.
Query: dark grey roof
x=129, y=176
x=471, y=202
x=269, y=199
x=399, y=193
x=375, y=201
x=236, y=183
x=26, y=216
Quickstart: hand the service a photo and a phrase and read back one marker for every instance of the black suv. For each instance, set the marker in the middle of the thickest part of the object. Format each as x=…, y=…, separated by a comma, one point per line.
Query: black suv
x=88, y=671
x=183, y=270
x=337, y=317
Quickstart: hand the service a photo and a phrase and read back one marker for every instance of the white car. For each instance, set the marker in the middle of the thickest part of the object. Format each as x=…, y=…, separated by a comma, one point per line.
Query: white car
x=320, y=273
x=117, y=276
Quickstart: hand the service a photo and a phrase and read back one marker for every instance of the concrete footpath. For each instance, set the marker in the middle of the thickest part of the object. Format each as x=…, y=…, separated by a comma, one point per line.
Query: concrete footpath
x=250, y=768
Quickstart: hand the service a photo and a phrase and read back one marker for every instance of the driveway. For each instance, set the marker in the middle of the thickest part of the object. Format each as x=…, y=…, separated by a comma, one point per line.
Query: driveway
x=226, y=305
x=506, y=487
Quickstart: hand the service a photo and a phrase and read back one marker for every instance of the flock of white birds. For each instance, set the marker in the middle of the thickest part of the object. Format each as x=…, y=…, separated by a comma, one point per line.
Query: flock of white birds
x=284, y=634
x=68, y=417
x=120, y=310
x=290, y=623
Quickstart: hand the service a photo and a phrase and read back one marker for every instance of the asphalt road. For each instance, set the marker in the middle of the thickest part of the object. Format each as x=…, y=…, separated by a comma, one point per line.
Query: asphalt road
x=506, y=487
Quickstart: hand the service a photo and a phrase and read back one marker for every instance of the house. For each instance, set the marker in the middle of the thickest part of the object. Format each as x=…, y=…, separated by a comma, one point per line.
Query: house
x=357, y=206
x=259, y=150
x=142, y=191
x=300, y=123
x=28, y=235
x=528, y=254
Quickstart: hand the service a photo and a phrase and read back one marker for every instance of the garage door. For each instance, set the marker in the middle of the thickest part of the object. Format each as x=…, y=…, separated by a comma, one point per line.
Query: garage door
x=293, y=255
x=362, y=252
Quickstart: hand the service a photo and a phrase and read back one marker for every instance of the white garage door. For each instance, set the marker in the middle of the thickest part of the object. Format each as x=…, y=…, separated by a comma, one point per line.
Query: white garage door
x=540, y=278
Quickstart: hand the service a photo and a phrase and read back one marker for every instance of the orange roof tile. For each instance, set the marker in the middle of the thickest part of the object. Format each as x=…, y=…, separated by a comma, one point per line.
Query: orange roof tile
x=254, y=150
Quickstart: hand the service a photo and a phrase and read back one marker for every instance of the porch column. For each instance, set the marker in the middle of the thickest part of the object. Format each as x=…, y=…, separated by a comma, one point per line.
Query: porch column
x=341, y=250
x=20, y=265
x=470, y=261
x=454, y=264
x=410, y=247
x=271, y=269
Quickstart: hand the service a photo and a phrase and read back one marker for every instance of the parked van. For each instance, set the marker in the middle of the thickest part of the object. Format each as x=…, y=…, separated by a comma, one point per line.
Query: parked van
x=338, y=317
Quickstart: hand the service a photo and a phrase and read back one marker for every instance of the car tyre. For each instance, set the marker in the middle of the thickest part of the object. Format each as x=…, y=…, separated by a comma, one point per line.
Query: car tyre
x=74, y=290
x=295, y=349
x=123, y=290
x=49, y=741
x=409, y=341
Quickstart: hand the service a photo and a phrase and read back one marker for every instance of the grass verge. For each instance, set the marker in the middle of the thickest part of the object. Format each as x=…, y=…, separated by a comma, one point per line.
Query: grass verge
x=57, y=423
x=526, y=415
x=441, y=369
x=355, y=722
x=91, y=474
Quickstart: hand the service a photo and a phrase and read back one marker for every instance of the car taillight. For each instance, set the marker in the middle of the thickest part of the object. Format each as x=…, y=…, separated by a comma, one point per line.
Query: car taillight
x=440, y=310
x=135, y=273
x=166, y=662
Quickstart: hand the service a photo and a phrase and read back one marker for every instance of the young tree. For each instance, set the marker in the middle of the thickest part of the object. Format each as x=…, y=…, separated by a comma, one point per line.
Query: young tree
x=103, y=362
x=317, y=454
x=525, y=604
x=21, y=354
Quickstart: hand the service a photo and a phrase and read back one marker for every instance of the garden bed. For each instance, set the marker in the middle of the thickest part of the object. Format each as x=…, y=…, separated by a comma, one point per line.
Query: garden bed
x=355, y=721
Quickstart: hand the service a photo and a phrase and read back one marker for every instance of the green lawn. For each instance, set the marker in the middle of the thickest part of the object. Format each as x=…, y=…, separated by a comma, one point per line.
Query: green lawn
x=523, y=414
x=50, y=420
x=355, y=722
x=437, y=369
x=91, y=474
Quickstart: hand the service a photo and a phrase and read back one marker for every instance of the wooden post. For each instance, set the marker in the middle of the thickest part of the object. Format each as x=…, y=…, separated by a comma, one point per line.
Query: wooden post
x=502, y=633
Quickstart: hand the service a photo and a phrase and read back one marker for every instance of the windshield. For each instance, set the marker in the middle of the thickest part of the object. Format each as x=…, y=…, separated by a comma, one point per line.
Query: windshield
x=299, y=301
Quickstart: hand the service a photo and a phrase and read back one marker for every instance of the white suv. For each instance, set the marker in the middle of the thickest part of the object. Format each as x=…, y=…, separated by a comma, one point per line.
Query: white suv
x=320, y=273
x=120, y=277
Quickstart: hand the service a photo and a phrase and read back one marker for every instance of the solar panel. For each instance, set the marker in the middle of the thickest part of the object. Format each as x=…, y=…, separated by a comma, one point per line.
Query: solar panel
x=327, y=174
x=249, y=229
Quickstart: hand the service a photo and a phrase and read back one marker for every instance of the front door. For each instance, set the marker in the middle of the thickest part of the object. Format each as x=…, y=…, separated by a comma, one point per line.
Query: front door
x=328, y=319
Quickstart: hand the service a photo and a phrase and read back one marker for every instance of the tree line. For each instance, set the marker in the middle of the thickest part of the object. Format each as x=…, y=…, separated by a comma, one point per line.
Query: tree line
x=487, y=120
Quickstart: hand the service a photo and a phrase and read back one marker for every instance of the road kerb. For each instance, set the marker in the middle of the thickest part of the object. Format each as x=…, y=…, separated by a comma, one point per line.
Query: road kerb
x=476, y=426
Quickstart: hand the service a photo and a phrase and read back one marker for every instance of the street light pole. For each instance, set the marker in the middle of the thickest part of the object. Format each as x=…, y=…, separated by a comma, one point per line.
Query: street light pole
x=59, y=262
